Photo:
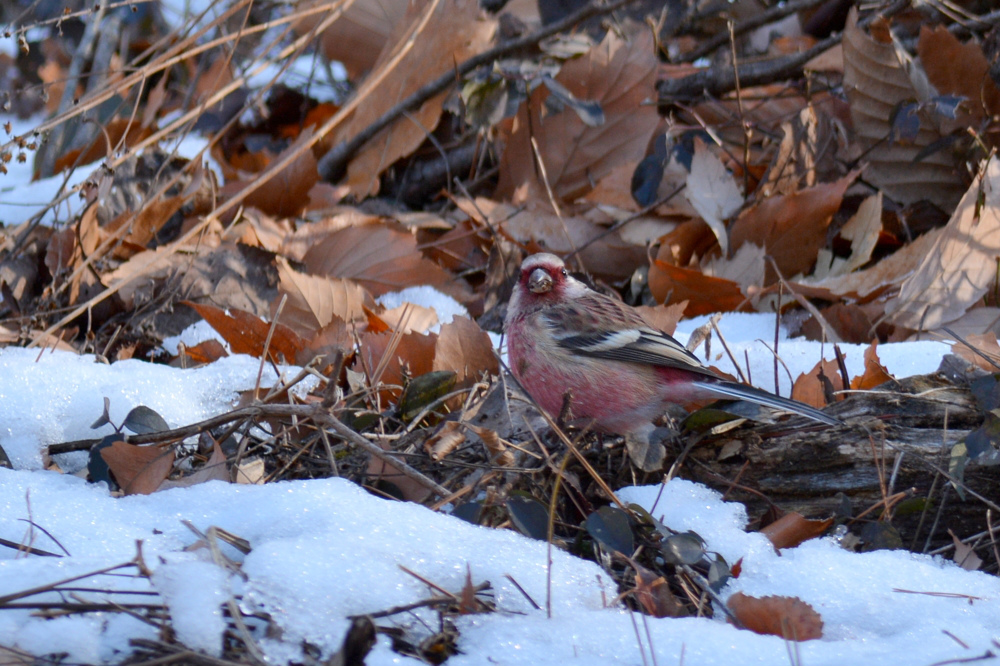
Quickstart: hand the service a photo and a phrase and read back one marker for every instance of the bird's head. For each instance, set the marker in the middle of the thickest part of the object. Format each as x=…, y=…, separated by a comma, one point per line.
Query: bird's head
x=543, y=274
x=543, y=282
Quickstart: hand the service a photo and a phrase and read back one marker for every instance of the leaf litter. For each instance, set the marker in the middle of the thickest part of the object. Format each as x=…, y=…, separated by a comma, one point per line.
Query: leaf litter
x=755, y=198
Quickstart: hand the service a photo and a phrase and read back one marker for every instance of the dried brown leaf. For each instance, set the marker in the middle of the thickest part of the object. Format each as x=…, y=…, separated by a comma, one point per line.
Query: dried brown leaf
x=875, y=373
x=788, y=617
x=618, y=74
x=359, y=35
x=961, y=266
x=793, y=528
x=465, y=349
x=791, y=228
x=813, y=387
x=286, y=193
x=959, y=69
x=379, y=257
x=214, y=469
x=671, y=284
x=606, y=256
x=246, y=333
x=313, y=301
x=712, y=192
x=878, y=75
x=429, y=41
x=139, y=470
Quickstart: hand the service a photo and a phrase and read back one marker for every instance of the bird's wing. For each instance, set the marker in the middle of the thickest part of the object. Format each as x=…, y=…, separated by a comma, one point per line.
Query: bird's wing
x=604, y=328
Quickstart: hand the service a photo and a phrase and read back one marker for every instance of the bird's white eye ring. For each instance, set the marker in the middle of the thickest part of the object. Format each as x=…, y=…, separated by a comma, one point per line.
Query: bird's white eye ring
x=565, y=272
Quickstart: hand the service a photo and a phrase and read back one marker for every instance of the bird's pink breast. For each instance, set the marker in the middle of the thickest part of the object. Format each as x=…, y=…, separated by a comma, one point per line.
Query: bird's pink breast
x=618, y=396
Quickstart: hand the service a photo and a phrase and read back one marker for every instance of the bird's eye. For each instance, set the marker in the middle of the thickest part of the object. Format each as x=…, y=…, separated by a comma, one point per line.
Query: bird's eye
x=564, y=272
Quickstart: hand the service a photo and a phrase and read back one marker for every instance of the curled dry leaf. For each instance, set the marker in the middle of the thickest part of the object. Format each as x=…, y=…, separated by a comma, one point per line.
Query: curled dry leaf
x=961, y=265
x=465, y=349
x=619, y=75
x=813, y=387
x=875, y=373
x=444, y=441
x=788, y=617
x=793, y=528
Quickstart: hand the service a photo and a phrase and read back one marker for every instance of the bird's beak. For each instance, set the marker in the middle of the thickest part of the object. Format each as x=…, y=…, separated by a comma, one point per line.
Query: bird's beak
x=539, y=282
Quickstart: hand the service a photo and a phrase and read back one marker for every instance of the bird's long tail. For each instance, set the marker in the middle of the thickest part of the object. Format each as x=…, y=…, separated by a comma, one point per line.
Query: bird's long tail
x=756, y=395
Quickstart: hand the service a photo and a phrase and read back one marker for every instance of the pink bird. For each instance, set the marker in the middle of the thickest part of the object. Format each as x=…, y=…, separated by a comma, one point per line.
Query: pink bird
x=565, y=339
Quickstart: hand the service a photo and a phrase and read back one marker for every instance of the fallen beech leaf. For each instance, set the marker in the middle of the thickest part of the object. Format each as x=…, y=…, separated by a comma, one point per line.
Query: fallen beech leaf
x=960, y=267
x=214, y=469
x=663, y=317
x=713, y=192
x=788, y=617
x=875, y=373
x=409, y=318
x=359, y=35
x=205, y=352
x=387, y=358
x=618, y=74
x=449, y=437
x=985, y=343
x=672, y=284
x=879, y=76
x=139, y=470
x=287, y=192
x=965, y=555
x=465, y=349
x=691, y=238
x=793, y=528
x=385, y=471
x=313, y=301
x=959, y=69
x=429, y=41
x=246, y=333
x=654, y=595
x=813, y=387
x=791, y=228
x=863, y=230
x=379, y=257
x=852, y=323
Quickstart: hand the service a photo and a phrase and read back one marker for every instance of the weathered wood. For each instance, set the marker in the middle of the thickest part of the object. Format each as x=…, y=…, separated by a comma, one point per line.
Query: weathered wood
x=811, y=469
